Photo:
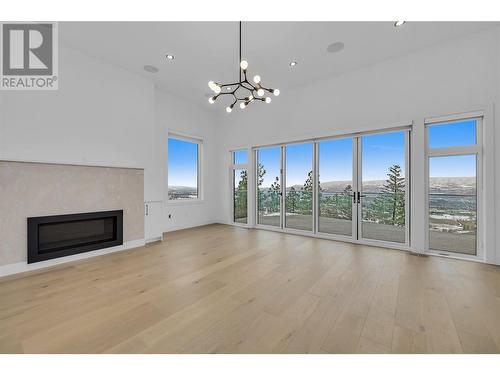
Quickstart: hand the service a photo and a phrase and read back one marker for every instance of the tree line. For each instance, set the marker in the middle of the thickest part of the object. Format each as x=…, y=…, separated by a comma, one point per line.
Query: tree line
x=386, y=207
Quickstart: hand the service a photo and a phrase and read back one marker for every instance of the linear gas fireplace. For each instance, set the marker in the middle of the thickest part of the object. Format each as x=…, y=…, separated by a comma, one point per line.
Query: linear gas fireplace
x=62, y=235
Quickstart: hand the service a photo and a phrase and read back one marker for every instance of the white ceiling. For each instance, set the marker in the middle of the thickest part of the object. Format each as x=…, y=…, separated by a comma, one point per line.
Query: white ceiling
x=209, y=50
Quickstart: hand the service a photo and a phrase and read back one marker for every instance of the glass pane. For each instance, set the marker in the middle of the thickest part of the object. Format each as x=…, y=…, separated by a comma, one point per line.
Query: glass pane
x=240, y=157
x=383, y=187
x=299, y=186
x=335, y=186
x=182, y=169
x=452, y=204
x=452, y=134
x=269, y=186
x=240, y=179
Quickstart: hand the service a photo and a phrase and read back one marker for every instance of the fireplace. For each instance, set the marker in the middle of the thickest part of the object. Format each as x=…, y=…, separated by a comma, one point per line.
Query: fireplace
x=62, y=235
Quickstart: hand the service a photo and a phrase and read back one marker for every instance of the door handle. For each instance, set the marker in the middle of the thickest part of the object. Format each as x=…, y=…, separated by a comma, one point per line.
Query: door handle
x=353, y=195
x=147, y=210
x=359, y=197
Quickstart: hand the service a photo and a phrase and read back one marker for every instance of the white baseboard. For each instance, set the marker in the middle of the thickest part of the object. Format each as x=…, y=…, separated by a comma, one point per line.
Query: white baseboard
x=11, y=269
x=180, y=227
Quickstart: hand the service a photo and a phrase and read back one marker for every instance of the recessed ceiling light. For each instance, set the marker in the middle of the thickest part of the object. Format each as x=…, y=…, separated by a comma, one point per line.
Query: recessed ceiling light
x=150, y=69
x=170, y=57
x=399, y=23
x=335, y=47
x=293, y=63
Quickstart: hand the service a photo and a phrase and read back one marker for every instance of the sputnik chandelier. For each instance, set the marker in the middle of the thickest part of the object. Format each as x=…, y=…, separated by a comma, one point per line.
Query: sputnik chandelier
x=242, y=91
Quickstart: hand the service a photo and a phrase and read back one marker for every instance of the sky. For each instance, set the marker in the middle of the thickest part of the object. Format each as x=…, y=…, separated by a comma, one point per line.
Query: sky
x=379, y=152
x=335, y=163
x=461, y=133
x=182, y=163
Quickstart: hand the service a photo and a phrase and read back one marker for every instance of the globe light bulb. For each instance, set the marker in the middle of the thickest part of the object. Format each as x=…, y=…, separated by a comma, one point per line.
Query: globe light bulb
x=212, y=85
x=242, y=105
x=211, y=100
x=218, y=89
x=268, y=100
x=276, y=92
x=256, y=79
x=244, y=64
x=250, y=98
x=228, y=109
x=260, y=92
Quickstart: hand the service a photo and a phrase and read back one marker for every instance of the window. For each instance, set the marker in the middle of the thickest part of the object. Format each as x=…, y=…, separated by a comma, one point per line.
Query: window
x=299, y=186
x=240, y=157
x=183, y=168
x=269, y=186
x=240, y=196
x=336, y=186
x=240, y=186
x=453, y=168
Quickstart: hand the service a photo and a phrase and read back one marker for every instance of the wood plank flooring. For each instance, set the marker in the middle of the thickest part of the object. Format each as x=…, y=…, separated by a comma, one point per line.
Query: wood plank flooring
x=224, y=289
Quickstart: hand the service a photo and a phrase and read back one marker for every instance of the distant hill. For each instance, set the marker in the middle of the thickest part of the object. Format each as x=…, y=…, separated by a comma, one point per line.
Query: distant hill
x=439, y=185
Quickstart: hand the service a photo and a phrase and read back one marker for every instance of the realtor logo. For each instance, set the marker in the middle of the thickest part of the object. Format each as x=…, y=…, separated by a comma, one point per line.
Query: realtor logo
x=28, y=56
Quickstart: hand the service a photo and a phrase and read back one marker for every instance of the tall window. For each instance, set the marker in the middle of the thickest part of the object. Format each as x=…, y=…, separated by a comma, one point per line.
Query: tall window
x=240, y=186
x=183, y=168
x=454, y=152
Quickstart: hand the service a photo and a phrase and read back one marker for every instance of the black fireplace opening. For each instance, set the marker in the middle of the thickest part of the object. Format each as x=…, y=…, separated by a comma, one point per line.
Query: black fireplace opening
x=62, y=235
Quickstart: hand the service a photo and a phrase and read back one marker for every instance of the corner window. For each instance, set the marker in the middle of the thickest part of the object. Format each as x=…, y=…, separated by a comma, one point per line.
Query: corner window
x=454, y=165
x=239, y=175
x=183, y=168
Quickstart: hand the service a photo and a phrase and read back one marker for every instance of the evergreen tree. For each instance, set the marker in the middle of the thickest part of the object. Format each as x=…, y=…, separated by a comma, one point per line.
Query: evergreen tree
x=240, y=199
x=395, y=190
x=292, y=200
x=389, y=206
x=275, y=191
x=260, y=180
x=305, y=202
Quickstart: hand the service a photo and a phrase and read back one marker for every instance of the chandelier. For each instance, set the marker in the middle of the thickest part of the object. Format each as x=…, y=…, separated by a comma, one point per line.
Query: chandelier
x=243, y=91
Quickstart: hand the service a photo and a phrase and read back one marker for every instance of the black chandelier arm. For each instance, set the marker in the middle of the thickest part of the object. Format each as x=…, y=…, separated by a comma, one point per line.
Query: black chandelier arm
x=243, y=83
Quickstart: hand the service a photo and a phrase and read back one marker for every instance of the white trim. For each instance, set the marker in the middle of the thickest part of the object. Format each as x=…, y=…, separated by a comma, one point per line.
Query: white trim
x=457, y=117
x=200, y=165
x=81, y=164
x=14, y=268
x=477, y=151
x=397, y=127
x=184, y=136
x=188, y=226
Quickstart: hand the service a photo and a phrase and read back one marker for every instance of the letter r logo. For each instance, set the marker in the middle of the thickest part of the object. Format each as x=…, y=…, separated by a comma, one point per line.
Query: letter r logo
x=27, y=49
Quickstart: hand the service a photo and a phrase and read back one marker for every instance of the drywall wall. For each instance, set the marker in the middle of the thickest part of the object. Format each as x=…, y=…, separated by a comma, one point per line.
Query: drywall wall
x=453, y=77
x=180, y=117
x=35, y=189
x=103, y=115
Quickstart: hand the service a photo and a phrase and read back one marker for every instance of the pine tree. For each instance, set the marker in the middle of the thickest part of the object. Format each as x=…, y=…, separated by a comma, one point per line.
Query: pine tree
x=275, y=191
x=394, y=188
x=260, y=180
x=389, y=206
x=292, y=200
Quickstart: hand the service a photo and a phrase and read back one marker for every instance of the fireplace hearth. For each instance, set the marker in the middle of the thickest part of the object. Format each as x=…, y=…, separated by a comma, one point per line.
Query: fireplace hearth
x=62, y=235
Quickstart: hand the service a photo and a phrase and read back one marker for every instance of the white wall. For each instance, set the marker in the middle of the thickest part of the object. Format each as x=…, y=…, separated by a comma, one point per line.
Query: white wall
x=104, y=115
x=180, y=117
x=101, y=115
x=454, y=77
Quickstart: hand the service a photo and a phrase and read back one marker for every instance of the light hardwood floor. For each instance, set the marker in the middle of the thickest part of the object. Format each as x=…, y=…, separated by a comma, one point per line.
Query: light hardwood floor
x=223, y=289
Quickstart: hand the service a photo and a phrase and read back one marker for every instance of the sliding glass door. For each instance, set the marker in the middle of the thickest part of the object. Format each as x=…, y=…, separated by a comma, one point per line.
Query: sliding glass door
x=350, y=187
x=382, y=187
x=336, y=187
x=269, y=186
x=299, y=186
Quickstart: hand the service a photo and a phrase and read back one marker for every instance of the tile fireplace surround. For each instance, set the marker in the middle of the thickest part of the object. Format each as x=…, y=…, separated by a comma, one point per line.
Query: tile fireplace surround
x=39, y=189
